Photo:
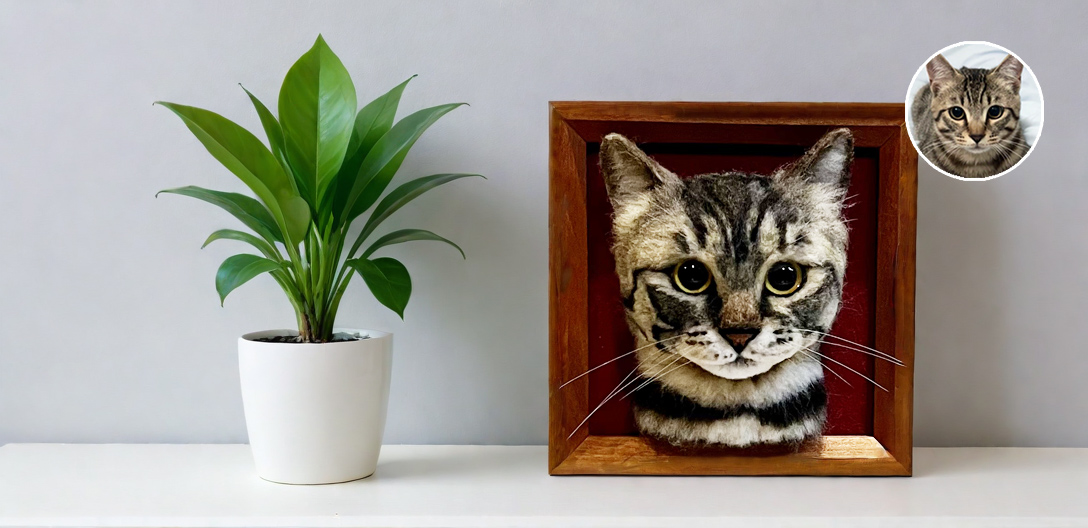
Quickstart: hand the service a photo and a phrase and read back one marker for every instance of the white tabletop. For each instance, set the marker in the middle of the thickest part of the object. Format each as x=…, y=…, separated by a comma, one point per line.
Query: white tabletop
x=215, y=485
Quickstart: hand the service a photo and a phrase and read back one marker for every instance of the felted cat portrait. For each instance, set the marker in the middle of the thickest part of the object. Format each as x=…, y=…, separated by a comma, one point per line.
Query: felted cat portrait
x=967, y=120
x=729, y=282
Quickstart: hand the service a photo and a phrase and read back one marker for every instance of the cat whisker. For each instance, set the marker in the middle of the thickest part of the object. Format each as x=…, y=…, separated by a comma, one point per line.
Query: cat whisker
x=617, y=358
x=654, y=362
x=930, y=148
x=1007, y=151
x=893, y=361
x=619, y=388
x=878, y=353
x=847, y=367
x=658, y=375
x=829, y=369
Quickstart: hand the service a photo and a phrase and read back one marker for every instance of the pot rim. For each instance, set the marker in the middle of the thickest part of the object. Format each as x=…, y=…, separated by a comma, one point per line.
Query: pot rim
x=375, y=335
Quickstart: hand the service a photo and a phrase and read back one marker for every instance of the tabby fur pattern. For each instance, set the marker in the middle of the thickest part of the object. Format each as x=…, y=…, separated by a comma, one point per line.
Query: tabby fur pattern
x=700, y=386
x=953, y=124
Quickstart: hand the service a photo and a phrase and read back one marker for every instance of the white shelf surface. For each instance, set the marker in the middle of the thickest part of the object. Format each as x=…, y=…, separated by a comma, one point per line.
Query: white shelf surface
x=492, y=486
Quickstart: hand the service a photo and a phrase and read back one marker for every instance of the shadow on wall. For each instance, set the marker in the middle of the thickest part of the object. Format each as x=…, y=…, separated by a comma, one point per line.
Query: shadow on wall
x=961, y=371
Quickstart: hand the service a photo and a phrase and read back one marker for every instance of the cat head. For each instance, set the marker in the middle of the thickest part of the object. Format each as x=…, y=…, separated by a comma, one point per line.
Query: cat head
x=730, y=271
x=976, y=111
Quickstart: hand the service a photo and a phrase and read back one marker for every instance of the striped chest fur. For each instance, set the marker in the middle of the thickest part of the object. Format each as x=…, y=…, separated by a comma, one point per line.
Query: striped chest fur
x=729, y=281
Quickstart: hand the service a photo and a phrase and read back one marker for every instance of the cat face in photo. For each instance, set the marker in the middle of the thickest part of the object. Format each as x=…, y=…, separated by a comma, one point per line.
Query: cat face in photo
x=975, y=109
x=733, y=272
x=967, y=120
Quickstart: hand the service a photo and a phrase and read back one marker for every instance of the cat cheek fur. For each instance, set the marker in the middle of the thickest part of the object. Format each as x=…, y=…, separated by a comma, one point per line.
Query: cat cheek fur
x=737, y=224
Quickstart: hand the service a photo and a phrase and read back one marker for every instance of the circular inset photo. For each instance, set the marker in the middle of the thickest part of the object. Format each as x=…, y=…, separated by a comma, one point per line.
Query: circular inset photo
x=974, y=111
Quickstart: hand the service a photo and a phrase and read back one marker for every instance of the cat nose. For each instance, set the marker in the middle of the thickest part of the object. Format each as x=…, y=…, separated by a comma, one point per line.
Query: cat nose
x=739, y=337
x=977, y=137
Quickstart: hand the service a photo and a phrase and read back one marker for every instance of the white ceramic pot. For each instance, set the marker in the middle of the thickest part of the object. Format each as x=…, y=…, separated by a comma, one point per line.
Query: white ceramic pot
x=315, y=412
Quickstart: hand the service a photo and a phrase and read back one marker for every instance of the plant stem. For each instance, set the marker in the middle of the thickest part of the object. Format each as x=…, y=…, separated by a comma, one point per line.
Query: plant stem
x=334, y=305
x=302, y=279
x=304, y=331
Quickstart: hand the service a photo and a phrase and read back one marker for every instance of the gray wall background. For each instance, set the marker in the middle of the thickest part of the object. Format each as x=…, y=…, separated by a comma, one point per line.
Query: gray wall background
x=109, y=328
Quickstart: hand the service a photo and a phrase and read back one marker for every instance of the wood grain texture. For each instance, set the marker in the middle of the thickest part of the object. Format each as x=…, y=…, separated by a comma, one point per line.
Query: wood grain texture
x=634, y=455
x=825, y=114
x=893, y=410
x=567, y=287
x=881, y=126
x=732, y=133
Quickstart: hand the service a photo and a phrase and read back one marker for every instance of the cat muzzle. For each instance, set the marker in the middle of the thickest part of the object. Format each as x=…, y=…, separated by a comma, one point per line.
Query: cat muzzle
x=739, y=337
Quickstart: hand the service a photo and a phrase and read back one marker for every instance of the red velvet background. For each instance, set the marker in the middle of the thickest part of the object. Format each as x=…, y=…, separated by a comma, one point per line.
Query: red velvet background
x=850, y=407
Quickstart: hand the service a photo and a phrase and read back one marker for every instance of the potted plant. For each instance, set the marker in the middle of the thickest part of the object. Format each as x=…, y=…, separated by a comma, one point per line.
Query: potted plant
x=315, y=399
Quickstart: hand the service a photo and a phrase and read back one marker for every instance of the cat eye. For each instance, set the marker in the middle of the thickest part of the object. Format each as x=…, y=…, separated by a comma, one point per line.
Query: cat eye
x=691, y=276
x=995, y=112
x=784, y=278
x=956, y=113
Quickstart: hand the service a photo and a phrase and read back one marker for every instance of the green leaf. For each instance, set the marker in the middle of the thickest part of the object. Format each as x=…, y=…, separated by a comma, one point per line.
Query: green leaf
x=317, y=106
x=238, y=270
x=375, y=119
x=387, y=279
x=406, y=193
x=407, y=235
x=249, y=211
x=383, y=161
x=230, y=234
x=271, y=129
x=336, y=198
x=244, y=155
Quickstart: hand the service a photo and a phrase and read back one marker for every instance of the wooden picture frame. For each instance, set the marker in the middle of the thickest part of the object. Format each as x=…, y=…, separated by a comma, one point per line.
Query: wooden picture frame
x=576, y=129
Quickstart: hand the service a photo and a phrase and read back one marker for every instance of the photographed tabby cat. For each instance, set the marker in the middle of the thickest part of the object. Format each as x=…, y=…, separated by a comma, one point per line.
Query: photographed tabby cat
x=728, y=281
x=967, y=121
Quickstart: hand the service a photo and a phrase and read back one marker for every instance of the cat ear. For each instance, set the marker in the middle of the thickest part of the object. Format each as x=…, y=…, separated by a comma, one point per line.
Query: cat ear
x=628, y=172
x=828, y=161
x=1010, y=68
x=941, y=73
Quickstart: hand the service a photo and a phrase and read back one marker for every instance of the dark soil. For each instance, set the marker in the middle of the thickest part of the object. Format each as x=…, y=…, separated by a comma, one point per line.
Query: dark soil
x=336, y=338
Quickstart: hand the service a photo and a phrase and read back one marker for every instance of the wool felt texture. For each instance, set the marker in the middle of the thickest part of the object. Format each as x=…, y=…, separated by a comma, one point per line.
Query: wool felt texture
x=849, y=406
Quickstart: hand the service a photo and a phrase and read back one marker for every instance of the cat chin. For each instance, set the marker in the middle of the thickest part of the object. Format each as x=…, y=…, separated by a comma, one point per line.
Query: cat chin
x=741, y=368
x=987, y=150
x=979, y=158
